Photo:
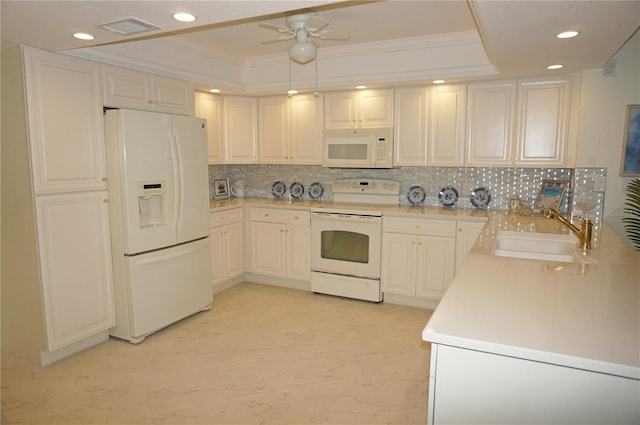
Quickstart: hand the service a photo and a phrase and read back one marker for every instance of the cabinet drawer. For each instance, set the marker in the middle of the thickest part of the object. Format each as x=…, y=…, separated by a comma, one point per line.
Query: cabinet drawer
x=221, y=218
x=298, y=217
x=267, y=214
x=444, y=228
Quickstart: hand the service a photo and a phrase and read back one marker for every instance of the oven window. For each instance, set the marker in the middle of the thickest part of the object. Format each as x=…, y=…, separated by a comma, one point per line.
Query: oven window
x=344, y=246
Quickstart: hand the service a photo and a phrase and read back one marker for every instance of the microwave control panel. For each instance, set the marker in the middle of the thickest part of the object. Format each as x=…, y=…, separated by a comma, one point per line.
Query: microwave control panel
x=383, y=147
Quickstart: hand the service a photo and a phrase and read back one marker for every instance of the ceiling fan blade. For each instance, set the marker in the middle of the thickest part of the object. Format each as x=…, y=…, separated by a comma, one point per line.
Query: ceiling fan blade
x=326, y=35
x=316, y=23
x=275, y=40
x=275, y=27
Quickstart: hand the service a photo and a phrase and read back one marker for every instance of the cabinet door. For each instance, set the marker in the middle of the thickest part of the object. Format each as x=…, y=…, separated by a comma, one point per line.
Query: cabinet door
x=447, y=125
x=126, y=88
x=410, y=139
x=75, y=261
x=490, y=116
x=240, y=133
x=217, y=253
x=340, y=110
x=172, y=96
x=306, y=122
x=465, y=238
x=268, y=253
x=298, y=255
x=399, y=263
x=208, y=106
x=436, y=261
x=543, y=118
x=233, y=250
x=375, y=108
x=273, y=137
x=66, y=133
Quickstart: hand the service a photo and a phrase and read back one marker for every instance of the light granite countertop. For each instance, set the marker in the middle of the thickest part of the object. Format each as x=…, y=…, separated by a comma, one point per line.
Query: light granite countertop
x=584, y=316
x=468, y=214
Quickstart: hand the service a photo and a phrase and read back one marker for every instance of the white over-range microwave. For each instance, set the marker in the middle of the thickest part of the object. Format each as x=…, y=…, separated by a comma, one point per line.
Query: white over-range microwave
x=358, y=148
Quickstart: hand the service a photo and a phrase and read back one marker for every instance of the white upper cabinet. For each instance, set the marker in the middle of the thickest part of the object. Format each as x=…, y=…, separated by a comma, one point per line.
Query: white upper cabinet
x=306, y=117
x=240, y=134
x=273, y=132
x=290, y=129
x=491, y=110
x=520, y=123
x=447, y=125
x=127, y=88
x=410, y=127
x=65, y=123
x=361, y=109
x=543, y=113
x=209, y=106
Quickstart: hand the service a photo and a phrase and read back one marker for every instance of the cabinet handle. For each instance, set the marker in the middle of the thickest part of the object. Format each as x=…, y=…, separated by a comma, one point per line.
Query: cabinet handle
x=150, y=101
x=104, y=179
x=105, y=200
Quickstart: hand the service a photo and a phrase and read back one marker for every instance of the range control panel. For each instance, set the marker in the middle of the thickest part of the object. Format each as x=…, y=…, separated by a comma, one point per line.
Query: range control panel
x=366, y=186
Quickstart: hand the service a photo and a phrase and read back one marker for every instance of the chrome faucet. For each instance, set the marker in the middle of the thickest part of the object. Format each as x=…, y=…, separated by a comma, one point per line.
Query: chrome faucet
x=583, y=234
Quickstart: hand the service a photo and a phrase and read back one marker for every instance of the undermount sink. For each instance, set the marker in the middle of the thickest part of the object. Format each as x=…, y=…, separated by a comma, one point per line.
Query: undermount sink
x=538, y=246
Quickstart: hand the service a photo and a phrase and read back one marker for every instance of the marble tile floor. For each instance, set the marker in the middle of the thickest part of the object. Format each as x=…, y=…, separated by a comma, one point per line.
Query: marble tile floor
x=261, y=355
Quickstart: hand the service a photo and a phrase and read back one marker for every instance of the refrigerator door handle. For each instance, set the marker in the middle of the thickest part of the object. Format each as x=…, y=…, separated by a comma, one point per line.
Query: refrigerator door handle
x=178, y=200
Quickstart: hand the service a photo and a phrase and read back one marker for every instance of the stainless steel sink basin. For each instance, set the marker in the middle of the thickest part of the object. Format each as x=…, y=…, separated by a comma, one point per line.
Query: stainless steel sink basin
x=538, y=246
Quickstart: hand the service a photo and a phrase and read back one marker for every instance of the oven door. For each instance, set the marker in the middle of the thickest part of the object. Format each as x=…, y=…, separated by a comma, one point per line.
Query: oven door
x=346, y=244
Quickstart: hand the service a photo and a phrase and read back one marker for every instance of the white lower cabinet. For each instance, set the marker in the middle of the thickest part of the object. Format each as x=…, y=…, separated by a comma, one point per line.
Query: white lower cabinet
x=418, y=256
x=280, y=243
x=468, y=232
x=75, y=263
x=469, y=386
x=227, y=245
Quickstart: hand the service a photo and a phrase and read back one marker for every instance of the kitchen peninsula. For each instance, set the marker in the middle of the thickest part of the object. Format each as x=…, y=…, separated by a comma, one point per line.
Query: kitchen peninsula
x=528, y=341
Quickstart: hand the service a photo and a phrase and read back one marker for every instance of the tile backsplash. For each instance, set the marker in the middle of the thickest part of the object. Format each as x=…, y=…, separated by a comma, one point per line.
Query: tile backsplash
x=502, y=183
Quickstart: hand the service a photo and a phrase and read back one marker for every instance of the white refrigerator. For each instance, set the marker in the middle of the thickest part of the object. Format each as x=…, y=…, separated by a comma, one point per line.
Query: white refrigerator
x=158, y=182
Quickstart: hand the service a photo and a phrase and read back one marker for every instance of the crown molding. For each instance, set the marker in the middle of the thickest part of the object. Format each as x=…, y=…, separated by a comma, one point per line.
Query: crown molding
x=392, y=62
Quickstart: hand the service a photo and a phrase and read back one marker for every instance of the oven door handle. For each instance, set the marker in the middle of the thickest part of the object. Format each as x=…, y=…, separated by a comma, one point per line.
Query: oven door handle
x=346, y=217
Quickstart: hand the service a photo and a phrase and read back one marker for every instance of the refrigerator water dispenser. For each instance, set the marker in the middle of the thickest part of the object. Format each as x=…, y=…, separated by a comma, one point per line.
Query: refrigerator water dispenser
x=151, y=203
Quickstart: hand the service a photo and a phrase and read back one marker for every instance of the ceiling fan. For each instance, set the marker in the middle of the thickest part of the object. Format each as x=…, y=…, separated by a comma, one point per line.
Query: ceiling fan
x=305, y=28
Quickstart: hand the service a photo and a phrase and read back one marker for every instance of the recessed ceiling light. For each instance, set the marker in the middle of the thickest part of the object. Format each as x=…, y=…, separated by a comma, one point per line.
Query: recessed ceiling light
x=214, y=90
x=438, y=81
x=557, y=66
x=184, y=17
x=292, y=92
x=567, y=34
x=83, y=36
x=361, y=87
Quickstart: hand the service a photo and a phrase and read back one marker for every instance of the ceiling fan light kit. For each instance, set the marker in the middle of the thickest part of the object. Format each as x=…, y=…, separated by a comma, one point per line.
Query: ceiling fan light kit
x=302, y=52
x=304, y=29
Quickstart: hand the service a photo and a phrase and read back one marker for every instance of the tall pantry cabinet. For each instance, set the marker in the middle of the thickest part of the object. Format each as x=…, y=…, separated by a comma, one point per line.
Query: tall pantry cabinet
x=56, y=262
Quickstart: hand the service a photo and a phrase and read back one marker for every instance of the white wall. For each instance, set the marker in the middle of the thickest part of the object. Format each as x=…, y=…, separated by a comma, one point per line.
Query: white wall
x=602, y=116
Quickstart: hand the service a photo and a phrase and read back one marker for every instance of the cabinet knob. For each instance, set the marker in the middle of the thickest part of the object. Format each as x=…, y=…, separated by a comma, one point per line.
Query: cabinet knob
x=266, y=214
x=417, y=226
x=413, y=242
x=419, y=243
x=105, y=200
x=104, y=179
x=460, y=229
x=295, y=218
x=281, y=230
x=150, y=101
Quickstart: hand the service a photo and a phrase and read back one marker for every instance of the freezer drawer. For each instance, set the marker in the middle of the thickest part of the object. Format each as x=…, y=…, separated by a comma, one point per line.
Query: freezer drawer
x=163, y=287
